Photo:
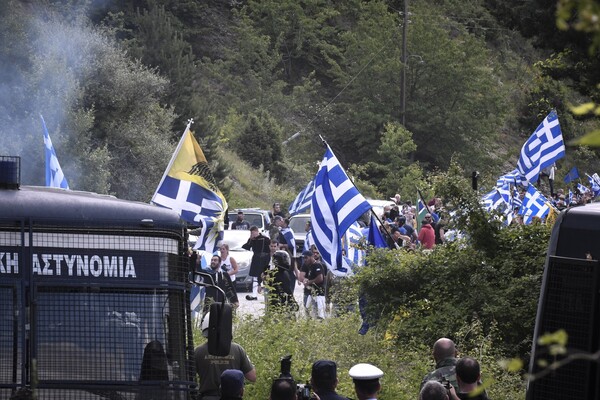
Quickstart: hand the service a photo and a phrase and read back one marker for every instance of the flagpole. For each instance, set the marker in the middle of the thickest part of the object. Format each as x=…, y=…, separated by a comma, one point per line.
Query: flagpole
x=372, y=212
x=423, y=200
x=175, y=153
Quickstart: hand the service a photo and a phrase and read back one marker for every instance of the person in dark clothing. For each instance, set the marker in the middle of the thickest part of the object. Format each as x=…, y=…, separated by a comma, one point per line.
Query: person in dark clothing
x=232, y=384
x=277, y=279
x=324, y=380
x=240, y=223
x=468, y=376
x=223, y=281
x=259, y=244
x=444, y=355
x=154, y=368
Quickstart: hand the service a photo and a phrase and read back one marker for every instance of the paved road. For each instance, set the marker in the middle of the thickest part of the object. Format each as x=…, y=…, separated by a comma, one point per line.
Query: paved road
x=257, y=307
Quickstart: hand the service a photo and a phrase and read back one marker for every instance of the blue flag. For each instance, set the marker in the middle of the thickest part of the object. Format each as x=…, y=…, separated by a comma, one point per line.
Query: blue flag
x=54, y=174
x=571, y=175
x=189, y=188
x=303, y=200
x=336, y=204
x=375, y=237
x=542, y=149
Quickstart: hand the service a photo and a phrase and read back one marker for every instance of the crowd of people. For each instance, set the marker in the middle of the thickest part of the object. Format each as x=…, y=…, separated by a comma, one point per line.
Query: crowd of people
x=224, y=377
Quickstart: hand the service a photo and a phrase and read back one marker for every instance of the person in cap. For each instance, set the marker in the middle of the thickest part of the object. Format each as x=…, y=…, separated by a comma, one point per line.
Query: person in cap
x=209, y=368
x=324, y=380
x=366, y=381
x=232, y=384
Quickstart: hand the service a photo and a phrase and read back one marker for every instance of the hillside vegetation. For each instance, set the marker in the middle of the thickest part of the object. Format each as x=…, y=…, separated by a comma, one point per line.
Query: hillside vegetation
x=263, y=80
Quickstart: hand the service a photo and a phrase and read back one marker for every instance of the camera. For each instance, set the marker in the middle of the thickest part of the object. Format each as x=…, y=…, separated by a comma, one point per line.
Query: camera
x=446, y=383
x=302, y=389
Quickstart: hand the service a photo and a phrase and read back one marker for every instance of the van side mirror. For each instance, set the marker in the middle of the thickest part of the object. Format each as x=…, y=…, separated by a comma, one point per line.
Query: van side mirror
x=220, y=318
x=200, y=278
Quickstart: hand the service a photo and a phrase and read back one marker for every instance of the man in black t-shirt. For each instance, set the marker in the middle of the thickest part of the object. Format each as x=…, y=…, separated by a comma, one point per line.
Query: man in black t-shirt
x=240, y=223
x=313, y=278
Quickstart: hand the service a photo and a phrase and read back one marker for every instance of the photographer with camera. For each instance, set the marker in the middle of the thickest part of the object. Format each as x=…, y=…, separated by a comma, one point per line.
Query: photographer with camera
x=324, y=380
x=280, y=390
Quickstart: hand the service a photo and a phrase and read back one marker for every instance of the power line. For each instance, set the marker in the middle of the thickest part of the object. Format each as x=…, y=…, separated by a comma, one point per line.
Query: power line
x=295, y=135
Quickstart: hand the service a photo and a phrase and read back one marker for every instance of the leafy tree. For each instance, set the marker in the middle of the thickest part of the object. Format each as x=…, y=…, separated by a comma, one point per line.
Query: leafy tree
x=104, y=111
x=260, y=143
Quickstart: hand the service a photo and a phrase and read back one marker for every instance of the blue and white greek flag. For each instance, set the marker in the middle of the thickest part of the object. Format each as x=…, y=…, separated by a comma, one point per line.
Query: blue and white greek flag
x=351, y=239
x=513, y=177
x=492, y=201
x=534, y=205
x=336, y=205
x=542, y=149
x=54, y=173
x=189, y=188
x=570, y=196
x=582, y=188
x=303, y=200
x=516, y=200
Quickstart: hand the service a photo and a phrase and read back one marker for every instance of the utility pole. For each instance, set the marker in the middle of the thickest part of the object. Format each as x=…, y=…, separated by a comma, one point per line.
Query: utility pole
x=404, y=62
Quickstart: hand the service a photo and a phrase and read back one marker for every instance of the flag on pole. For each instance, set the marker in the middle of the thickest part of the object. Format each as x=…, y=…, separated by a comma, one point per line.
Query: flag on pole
x=189, y=188
x=421, y=210
x=336, y=204
x=375, y=237
x=303, y=200
x=571, y=175
x=542, y=149
x=534, y=205
x=54, y=173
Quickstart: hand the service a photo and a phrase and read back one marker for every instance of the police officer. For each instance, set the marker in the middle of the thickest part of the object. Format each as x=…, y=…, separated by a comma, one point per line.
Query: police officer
x=324, y=380
x=366, y=381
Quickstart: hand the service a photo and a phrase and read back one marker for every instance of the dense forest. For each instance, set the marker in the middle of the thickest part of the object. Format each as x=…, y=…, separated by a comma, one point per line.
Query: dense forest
x=398, y=90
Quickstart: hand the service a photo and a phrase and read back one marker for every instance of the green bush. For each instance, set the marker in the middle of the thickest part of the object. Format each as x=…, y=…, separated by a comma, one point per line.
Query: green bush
x=267, y=339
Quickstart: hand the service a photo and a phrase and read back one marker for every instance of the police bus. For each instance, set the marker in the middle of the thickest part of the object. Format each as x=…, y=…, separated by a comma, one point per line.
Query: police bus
x=94, y=296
